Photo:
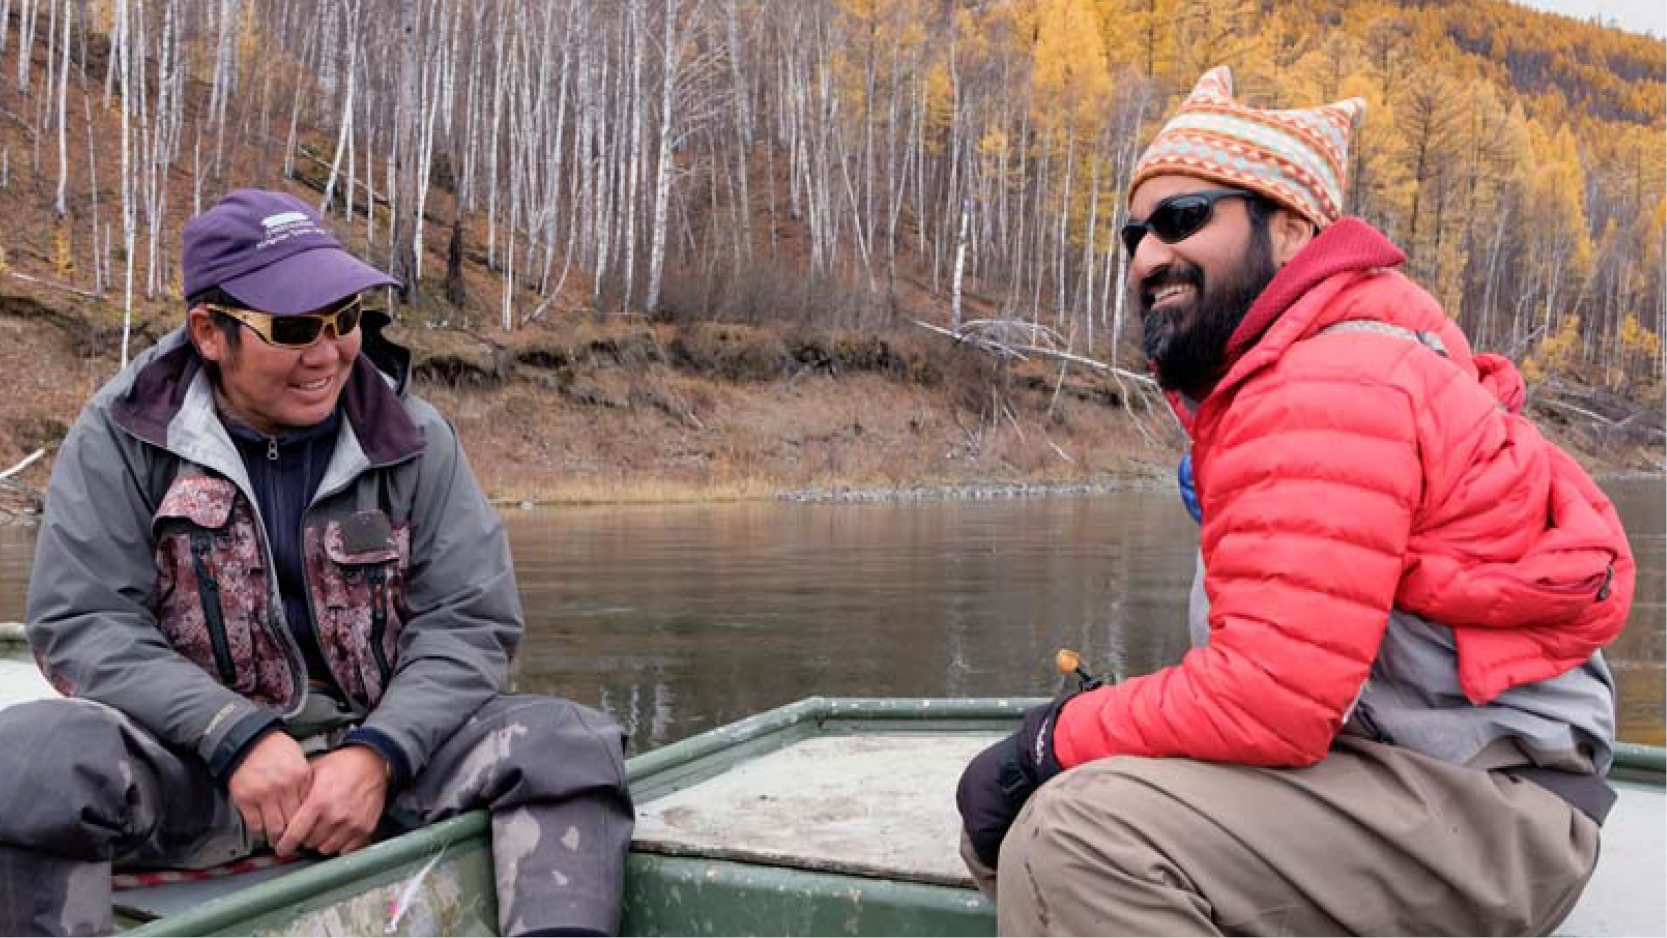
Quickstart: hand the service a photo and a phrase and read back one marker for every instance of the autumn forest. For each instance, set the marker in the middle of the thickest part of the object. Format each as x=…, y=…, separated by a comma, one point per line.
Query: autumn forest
x=850, y=162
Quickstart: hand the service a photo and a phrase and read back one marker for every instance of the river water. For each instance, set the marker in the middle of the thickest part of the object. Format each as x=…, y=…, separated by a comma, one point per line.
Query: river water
x=680, y=618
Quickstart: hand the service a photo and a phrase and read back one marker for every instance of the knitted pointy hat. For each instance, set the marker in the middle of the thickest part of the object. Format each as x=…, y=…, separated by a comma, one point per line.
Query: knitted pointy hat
x=1297, y=158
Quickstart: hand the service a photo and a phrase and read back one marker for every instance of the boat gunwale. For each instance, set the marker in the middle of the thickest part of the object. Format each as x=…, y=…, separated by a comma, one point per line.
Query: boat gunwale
x=765, y=887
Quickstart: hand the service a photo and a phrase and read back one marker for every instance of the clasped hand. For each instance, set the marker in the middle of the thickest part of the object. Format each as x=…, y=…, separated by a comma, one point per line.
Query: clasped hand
x=330, y=804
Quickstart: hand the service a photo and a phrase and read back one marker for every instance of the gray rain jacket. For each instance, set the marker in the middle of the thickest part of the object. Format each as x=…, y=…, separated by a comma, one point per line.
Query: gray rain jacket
x=153, y=589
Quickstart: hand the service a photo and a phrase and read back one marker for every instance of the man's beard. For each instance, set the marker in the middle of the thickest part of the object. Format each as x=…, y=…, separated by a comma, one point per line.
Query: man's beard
x=1187, y=343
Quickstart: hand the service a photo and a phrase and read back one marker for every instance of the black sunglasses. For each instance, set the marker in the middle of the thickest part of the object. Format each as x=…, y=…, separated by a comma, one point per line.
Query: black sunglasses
x=1178, y=217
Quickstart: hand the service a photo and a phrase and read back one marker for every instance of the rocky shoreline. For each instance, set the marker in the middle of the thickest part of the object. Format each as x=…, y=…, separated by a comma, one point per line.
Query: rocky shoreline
x=974, y=492
x=1157, y=480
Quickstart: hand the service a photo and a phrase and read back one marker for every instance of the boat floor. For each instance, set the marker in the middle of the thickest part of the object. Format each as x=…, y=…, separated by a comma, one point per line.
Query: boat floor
x=870, y=805
x=21, y=681
x=1626, y=894
x=884, y=805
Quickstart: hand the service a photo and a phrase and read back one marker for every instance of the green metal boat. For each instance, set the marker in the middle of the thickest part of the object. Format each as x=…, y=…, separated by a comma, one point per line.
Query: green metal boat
x=823, y=817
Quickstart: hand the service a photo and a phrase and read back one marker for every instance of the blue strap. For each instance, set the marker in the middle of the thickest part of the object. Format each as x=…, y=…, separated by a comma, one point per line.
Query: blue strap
x=1189, y=494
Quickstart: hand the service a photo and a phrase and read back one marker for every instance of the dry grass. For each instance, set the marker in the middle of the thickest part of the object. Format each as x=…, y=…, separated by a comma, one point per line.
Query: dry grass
x=632, y=414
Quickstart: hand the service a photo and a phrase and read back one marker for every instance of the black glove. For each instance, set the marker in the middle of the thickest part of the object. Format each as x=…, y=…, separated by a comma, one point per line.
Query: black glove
x=1000, y=779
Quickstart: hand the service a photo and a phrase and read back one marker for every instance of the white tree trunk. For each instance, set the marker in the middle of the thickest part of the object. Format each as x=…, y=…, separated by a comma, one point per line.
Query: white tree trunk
x=61, y=205
x=637, y=53
x=124, y=52
x=960, y=262
x=663, y=167
x=402, y=190
x=345, y=132
x=27, y=14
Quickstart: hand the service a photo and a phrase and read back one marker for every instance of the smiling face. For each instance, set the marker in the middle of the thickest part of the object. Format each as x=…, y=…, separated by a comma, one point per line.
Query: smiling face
x=273, y=389
x=1193, y=294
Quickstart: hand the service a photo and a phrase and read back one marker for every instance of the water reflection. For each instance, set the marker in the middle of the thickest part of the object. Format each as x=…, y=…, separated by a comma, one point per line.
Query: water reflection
x=681, y=618
x=677, y=619
x=1637, y=656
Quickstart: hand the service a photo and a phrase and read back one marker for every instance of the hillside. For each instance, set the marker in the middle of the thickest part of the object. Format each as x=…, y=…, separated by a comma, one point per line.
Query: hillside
x=714, y=297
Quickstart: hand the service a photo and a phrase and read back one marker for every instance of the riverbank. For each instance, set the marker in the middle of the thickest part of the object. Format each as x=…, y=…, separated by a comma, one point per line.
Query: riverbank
x=703, y=412
x=588, y=411
x=700, y=412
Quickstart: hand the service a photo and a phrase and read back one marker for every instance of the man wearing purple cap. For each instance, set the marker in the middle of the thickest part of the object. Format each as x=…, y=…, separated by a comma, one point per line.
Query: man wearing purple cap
x=1395, y=718
x=283, y=613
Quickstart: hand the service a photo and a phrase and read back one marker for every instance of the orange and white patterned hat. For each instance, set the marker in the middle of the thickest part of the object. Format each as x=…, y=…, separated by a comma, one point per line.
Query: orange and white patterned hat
x=1297, y=158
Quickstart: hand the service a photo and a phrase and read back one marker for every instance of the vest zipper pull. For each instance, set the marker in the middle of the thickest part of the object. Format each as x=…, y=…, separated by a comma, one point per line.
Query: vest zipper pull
x=272, y=448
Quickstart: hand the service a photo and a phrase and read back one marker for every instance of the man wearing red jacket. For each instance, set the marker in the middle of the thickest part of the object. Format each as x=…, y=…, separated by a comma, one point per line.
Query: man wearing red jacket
x=1395, y=718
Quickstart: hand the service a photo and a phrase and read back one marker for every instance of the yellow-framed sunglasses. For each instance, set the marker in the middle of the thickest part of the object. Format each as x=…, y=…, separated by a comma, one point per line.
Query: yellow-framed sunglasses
x=300, y=330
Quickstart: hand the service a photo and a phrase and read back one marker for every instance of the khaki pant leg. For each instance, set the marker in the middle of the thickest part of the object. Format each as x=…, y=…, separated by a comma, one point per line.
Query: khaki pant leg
x=983, y=876
x=1374, y=840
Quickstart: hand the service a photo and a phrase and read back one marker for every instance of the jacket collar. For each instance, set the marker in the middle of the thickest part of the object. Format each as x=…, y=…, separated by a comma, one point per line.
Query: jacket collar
x=371, y=403
x=1279, y=316
x=1348, y=244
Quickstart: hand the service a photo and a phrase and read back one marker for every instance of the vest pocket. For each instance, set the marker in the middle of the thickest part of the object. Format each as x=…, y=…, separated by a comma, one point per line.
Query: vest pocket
x=208, y=595
x=378, y=577
x=356, y=568
x=211, y=598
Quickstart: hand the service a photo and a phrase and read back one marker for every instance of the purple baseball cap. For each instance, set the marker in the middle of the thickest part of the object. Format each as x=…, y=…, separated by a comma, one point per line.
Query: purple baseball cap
x=272, y=252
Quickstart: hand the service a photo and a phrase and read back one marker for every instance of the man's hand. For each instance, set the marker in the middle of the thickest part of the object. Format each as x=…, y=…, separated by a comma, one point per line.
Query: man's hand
x=343, y=806
x=270, y=784
x=1000, y=779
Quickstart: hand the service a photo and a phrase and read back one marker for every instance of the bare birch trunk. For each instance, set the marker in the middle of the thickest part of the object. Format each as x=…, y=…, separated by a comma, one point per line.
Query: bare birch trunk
x=403, y=191
x=636, y=53
x=663, y=167
x=61, y=204
x=124, y=52
x=27, y=15
x=345, y=132
x=960, y=257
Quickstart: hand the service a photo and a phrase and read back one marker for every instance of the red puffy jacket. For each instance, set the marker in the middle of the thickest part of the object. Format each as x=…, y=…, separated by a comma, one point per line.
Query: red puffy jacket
x=1344, y=473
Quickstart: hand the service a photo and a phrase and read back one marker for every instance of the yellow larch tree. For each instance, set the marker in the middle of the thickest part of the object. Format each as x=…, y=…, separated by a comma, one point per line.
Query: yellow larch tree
x=1560, y=238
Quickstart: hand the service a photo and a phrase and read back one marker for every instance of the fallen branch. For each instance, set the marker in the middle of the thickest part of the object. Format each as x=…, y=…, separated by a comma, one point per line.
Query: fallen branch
x=10, y=487
x=1601, y=419
x=971, y=334
x=1055, y=446
x=1562, y=405
x=32, y=502
x=53, y=285
x=27, y=460
x=26, y=125
x=538, y=312
x=968, y=339
x=1099, y=366
x=1020, y=340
